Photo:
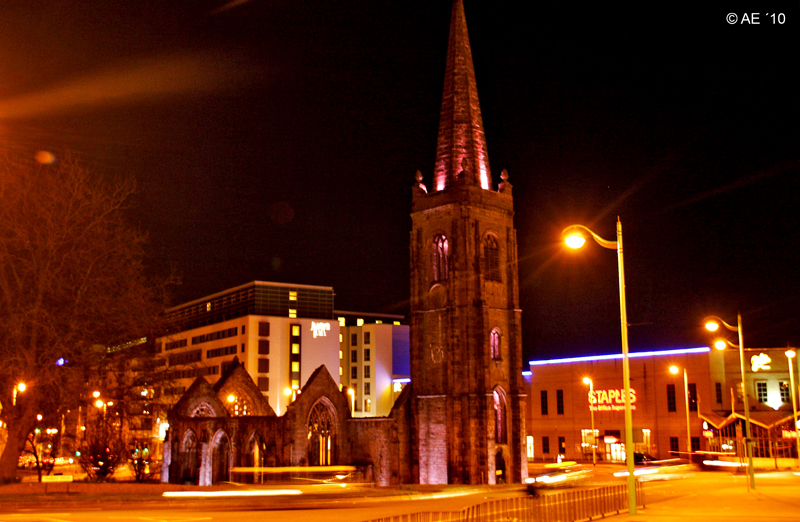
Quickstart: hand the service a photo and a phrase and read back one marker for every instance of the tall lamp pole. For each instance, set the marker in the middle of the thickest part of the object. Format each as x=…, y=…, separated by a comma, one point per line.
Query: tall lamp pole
x=790, y=354
x=674, y=370
x=575, y=239
x=593, y=439
x=712, y=325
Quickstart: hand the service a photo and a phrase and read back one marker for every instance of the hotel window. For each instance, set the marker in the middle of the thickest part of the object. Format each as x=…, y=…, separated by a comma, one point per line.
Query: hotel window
x=263, y=347
x=673, y=444
x=366, y=355
x=692, y=396
x=292, y=313
x=529, y=447
x=354, y=372
x=560, y=402
x=292, y=296
x=294, y=357
x=353, y=356
x=263, y=329
x=295, y=330
x=562, y=445
x=785, y=393
x=353, y=339
x=545, y=444
x=263, y=366
x=263, y=384
x=494, y=344
x=491, y=259
x=695, y=443
x=367, y=372
x=366, y=389
x=368, y=405
x=242, y=330
x=366, y=337
x=359, y=322
x=671, y=397
x=718, y=389
x=441, y=249
x=341, y=321
x=544, y=402
x=761, y=392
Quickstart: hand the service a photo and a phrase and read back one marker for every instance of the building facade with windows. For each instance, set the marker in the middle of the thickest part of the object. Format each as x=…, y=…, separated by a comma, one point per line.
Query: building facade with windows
x=566, y=393
x=280, y=333
x=375, y=364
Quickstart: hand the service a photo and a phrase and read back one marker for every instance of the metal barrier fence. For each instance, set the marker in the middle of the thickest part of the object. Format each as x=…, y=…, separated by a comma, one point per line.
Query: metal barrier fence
x=563, y=506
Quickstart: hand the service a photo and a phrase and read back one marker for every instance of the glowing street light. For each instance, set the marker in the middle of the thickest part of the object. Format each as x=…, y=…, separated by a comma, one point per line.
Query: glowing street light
x=352, y=393
x=18, y=388
x=712, y=324
x=674, y=370
x=791, y=354
x=573, y=236
x=587, y=380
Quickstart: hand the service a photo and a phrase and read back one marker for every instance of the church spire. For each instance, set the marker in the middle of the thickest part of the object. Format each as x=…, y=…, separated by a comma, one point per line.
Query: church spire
x=461, y=145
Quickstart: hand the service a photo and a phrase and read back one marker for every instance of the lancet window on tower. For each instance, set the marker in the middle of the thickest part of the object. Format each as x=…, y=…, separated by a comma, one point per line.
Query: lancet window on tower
x=441, y=249
x=494, y=344
x=491, y=259
x=500, y=436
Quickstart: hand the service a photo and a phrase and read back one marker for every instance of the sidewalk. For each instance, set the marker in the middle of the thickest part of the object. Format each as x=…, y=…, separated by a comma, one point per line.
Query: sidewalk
x=771, y=501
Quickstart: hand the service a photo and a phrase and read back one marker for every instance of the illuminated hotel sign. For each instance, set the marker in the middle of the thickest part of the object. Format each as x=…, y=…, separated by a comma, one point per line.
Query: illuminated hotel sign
x=320, y=329
x=610, y=400
x=760, y=362
x=789, y=434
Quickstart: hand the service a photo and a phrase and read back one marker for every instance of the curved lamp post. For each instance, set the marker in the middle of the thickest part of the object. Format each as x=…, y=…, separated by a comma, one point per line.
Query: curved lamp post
x=712, y=324
x=791, y=354
x=573, y=236
x=674, y=370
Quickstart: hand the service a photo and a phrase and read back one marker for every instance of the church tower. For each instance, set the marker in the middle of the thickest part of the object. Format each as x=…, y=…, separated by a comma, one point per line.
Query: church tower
x=468, y=394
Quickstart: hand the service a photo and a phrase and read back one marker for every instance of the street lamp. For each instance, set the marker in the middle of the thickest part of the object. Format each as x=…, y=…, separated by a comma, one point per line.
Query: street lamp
x=674, y=370
x=790, y=354
x=18, y=388
x=574, y=239
x=593, y=439
x=712, y=325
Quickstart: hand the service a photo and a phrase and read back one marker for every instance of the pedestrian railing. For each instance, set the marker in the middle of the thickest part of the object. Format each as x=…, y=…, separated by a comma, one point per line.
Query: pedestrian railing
x=562, y=506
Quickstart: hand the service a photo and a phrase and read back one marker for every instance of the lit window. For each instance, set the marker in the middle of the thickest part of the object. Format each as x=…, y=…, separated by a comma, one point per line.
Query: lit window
x=341, y=338
x=295, y=348
x=761, y=392
x=529, y=444
x=208, y=307
x=296, y=330
x=784, y=391
x=378, y=322
x=340, y=374
x=292, y=313
x=441, y=249
x=368, y=405
x=359, y=322
x=295, y=366
x=295, y=383
x=341, y=321
x=341, y=355
x=292, y=296
x=494, y=344
x=396, y=323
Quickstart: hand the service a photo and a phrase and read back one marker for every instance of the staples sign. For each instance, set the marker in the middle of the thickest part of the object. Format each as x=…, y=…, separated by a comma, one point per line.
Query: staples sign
x=610, y=400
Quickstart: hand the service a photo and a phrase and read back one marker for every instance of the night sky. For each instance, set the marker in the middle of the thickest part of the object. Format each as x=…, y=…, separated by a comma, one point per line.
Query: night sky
x=277, y=140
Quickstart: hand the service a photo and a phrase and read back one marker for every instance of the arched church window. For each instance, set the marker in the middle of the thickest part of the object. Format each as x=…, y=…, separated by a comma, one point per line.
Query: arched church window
x=441, y=248
x=239, y=406
x=321, y=431
x=491, y=259
x=500, y=436
x=202, y=410
x=494, y=344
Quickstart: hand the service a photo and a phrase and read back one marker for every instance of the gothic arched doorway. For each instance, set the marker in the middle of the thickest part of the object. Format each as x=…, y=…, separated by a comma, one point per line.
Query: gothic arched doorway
x=190, y=470
x=221, y=459
x=321, y=434
x=255, y=457
x=500, y=468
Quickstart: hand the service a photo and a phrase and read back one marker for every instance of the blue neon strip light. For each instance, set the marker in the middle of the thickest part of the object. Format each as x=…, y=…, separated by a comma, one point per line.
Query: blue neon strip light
x=401, y=380
x=704, y=349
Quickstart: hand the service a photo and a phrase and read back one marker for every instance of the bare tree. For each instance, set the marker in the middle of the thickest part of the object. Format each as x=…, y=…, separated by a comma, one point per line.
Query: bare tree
x=72, y=282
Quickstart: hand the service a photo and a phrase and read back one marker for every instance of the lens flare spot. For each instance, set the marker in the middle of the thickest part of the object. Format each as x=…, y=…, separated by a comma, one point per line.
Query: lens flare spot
x=44, y=157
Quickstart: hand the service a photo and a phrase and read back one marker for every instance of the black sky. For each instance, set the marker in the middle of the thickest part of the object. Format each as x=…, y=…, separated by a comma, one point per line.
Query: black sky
x=277, y=140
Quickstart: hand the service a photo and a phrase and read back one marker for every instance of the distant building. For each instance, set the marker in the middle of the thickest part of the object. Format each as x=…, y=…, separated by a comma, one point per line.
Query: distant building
x=280, y=333
x=374, y=360
x=560, y=413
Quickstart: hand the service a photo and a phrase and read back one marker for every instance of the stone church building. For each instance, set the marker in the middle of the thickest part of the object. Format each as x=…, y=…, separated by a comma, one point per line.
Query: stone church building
x=461, y=420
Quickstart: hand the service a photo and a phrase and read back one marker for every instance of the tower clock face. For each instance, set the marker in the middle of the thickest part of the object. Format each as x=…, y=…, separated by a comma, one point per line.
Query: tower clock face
x=437, y=354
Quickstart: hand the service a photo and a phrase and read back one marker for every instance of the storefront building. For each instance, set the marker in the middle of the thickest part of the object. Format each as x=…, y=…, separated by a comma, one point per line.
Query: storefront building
x=570, y=395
